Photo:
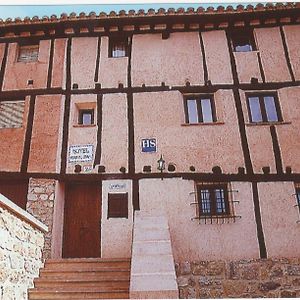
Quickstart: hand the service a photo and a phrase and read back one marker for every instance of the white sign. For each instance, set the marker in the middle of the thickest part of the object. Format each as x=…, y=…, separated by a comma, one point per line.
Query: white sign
x=117, y=186
x=87, y=169
x=81, y=153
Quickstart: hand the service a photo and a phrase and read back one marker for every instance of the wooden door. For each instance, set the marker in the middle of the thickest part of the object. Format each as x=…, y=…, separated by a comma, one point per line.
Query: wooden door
x=16, y=191
x=82, y=216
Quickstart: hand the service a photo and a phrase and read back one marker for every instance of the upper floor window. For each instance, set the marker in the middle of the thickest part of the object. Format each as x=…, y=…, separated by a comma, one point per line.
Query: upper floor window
x=200, y=109
x=11, y=114
x=86, y=117
x=213, y=200
x=118, y=47
x=28, y=53
x=298, y=195
x=243, y=41
x=263, y=108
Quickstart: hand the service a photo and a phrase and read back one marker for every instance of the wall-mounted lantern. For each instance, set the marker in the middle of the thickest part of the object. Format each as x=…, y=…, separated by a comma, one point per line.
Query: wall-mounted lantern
x=161, y=165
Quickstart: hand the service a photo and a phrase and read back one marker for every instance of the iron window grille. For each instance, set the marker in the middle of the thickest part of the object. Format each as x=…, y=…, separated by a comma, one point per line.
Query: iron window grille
x=297, y=189
x=214, y=203
x=263, y=108
x=28, y=53
x=118, y=47
x=200, y=109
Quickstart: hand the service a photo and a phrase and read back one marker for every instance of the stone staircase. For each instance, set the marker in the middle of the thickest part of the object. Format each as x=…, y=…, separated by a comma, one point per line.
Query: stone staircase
x=82, y=278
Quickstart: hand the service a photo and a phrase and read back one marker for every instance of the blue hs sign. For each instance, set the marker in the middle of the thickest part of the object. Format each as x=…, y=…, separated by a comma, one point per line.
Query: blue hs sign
x=148, y=145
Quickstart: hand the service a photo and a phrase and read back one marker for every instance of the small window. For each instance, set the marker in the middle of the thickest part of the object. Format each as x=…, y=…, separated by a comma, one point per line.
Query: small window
x=86, y=117
x=200, y=109
x=213, y=200
x=117, y=205
x=11, y=114
x=264, y=108
x=298, y=195
x=243, y=41
x=118, y=47
x=28, y=53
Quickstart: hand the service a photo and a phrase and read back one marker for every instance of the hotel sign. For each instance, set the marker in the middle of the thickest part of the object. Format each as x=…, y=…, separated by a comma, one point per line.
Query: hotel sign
x=81, y=153
x=148, y=145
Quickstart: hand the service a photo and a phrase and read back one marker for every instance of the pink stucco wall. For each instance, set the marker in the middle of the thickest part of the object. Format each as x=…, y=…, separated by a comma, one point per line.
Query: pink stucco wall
x=82, y=135
x=194, y=241
x=288, y=134
x=12, y=144
x=43, y=148
x=247, y=66
x=279, y=217
x=83, y=61
x=117, y=67
x=161, y=115
x=17, y=73
x=292, y=36
x=59, y=63
x=114, y=140
x=217, y=56
x=270, y=47
x=155, y=60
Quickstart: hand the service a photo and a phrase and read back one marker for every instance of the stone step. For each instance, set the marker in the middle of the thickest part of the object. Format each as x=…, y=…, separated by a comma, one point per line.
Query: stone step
x=106, y=273
x=109, y=284
x=43, y=294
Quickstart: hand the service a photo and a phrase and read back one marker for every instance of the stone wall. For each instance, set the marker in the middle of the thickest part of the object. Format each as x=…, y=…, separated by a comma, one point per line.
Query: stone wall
x=257, y=278
x=40, y=203
x=20, y=253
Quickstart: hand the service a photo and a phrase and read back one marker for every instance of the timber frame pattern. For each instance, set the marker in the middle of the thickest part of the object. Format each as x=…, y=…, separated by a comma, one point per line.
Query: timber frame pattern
x=164, y=22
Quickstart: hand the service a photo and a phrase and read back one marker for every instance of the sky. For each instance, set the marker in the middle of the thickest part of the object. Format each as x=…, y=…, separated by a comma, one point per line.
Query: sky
x=49, y=7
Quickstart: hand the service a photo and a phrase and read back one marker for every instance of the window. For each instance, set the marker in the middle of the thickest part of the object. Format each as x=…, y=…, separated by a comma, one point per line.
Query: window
x=213, y=200
x=117, y=205
x=28, y=53
x=263, y=108
x=11, y=114
x=243, y=41
x=118, y=47
x=86, y=117
x=200, y=109
x=298, y=195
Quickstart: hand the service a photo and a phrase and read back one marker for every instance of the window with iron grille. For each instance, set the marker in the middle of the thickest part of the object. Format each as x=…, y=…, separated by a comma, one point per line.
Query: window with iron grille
x=200, y=109
x=118, y=47
x=213, y=200
x=28, y=53
x=298, y=196
x=264, y=108
x=242, y=40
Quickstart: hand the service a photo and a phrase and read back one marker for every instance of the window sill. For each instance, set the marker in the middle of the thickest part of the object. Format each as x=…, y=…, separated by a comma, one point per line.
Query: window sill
x=201, y=124
x=268, y=123
x=217, y=219
x=84, y=126
x=252, y=51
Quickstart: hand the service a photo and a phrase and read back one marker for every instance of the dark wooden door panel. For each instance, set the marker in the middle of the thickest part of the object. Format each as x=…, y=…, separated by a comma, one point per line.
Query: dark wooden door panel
x=82, y=217
x=16, y=191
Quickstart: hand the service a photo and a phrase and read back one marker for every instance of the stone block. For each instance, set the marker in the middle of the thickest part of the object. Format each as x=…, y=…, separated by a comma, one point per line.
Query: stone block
x=269, y=286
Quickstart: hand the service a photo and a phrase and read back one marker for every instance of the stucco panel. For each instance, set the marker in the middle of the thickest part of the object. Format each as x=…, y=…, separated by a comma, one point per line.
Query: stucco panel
x=288, y=134
x=217, y=56
x=59, y=63
x=292, y=36
x=194, y=241
x=12, y=144
x=116, y=233
x=279, y=216
x=174, y=61
x=83, y=61
x=44, y=143
x=269, y=44
x=247, y=66
x=161, y=115
x=114, y=144
x=112, y=70
x=82, y=135
x=17, y=73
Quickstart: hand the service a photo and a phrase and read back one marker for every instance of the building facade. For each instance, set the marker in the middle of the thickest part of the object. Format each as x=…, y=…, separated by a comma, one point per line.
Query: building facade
x=191, y=114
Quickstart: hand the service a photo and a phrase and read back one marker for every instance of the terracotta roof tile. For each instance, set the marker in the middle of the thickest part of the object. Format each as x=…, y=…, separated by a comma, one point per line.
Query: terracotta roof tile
x=151, y=12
